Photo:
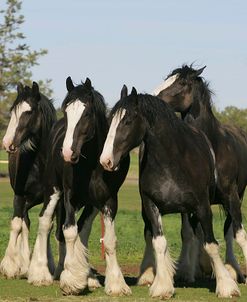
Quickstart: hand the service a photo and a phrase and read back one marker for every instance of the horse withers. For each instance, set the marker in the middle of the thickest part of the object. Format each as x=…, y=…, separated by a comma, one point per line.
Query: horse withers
x=75, y=179
x=171, y=179
x=32, y=116
x=187, y=92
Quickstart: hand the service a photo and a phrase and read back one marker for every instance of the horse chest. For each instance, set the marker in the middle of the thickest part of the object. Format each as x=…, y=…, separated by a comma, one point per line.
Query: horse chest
x=169, y=195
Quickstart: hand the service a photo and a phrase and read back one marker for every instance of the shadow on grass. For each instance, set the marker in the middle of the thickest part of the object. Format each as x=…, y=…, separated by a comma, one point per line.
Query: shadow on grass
x=199, y=283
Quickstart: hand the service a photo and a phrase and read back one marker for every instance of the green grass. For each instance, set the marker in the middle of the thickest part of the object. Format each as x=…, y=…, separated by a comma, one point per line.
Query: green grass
x=3, y=166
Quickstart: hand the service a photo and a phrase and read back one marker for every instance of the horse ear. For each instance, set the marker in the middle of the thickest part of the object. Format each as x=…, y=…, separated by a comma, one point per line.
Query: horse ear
x=20, y=88
x=35, y=91
x=69, y=84
x=88, y=84
x=124, y=92
x=199, y=71
x=133, y=91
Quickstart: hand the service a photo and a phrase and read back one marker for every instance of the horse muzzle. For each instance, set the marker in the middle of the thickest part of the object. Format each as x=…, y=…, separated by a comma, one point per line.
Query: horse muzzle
x=69, y=156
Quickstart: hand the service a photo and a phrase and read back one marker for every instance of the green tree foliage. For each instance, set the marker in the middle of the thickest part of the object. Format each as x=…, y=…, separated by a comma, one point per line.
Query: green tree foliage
x=16, y=58
x=232, y=115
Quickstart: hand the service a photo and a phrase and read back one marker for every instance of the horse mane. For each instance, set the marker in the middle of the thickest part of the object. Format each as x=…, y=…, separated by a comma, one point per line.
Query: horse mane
x=24, y=95
x=151, y=107
x=48, y=115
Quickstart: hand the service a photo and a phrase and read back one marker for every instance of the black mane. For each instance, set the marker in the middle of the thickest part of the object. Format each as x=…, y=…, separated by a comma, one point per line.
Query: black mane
x=48, y=114
x=201, y=91
x=151, y=107
x=26, y=93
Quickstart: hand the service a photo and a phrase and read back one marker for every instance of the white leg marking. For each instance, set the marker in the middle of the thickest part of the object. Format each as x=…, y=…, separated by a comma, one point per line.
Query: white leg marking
x=147, y=269
x=74, y=277
x=114, y=280
x=241, y=238
x=38, y=272
x=10, y=265
x=13, y=123
x=226, y=287
x=107, y=153
x=74, y=112
x=24, y=250
x=231, y=262
x=167, y=83
x=84, y=235
x=163, y=282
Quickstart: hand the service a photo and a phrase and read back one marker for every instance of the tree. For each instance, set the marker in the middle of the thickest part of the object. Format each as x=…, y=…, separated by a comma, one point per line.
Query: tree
x=16, y=58
x=232, y=115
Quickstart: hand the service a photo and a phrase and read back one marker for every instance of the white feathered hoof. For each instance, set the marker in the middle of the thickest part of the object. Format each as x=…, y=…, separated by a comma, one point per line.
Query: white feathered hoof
x=9, y=267
x=227, y=288
x=93, y=282
x=161, y=290
x=232, y=272
x=146, y=278
x=71, y=284
x=117, y=287
x=39, y=276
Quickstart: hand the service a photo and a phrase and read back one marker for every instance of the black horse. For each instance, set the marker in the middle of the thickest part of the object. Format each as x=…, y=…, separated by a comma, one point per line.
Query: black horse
x=32, y=116
x=173, y=158
x=75, y=179
x=187, y=92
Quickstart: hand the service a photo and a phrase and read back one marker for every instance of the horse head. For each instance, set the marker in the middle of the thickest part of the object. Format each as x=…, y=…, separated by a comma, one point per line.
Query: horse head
x=79, y=113
x=25, y=119
x=179, y=87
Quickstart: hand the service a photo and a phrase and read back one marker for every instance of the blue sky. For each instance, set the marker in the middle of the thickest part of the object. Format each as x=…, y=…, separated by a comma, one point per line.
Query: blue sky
x=138, y=43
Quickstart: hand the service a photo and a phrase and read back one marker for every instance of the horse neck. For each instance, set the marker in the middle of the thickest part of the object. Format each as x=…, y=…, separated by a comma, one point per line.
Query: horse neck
x=161, y=140
x=202, y=115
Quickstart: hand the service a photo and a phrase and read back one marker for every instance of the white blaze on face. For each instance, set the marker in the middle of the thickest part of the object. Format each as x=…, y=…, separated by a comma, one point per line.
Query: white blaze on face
x=107, y=154
x=167, y=83
x=74, y=112
x=13, y=123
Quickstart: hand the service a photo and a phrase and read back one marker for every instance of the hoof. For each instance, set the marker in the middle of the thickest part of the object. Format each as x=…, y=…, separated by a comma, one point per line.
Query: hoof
x=9, y=268
x=227, y=288
x=39, y=276
x=71, y=284
x=146, y=278
x=118, y=289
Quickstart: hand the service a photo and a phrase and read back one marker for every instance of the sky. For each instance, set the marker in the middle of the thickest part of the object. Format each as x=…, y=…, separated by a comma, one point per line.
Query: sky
x=138, y=43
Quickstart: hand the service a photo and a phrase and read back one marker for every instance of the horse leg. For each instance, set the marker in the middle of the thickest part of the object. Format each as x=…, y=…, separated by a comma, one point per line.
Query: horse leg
x=147, y=268
x=231, y=262
x=73, y=278
x=84, y=226
x=60, y=219
x=38, y=272
x=24, y=248
x=188, y=259
x=163, y=282
x=11, y=262
x=114, y=280
x=238, y=229
x=226, y=287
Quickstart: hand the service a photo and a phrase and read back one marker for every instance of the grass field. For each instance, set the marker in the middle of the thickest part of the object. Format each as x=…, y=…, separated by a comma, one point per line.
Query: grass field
x=3, y=166
x=129, y=228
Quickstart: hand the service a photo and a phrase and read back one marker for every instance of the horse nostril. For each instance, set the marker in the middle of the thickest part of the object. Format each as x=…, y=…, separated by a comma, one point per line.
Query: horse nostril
x=109, y=163
x=12, y=148
x=74, y=158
